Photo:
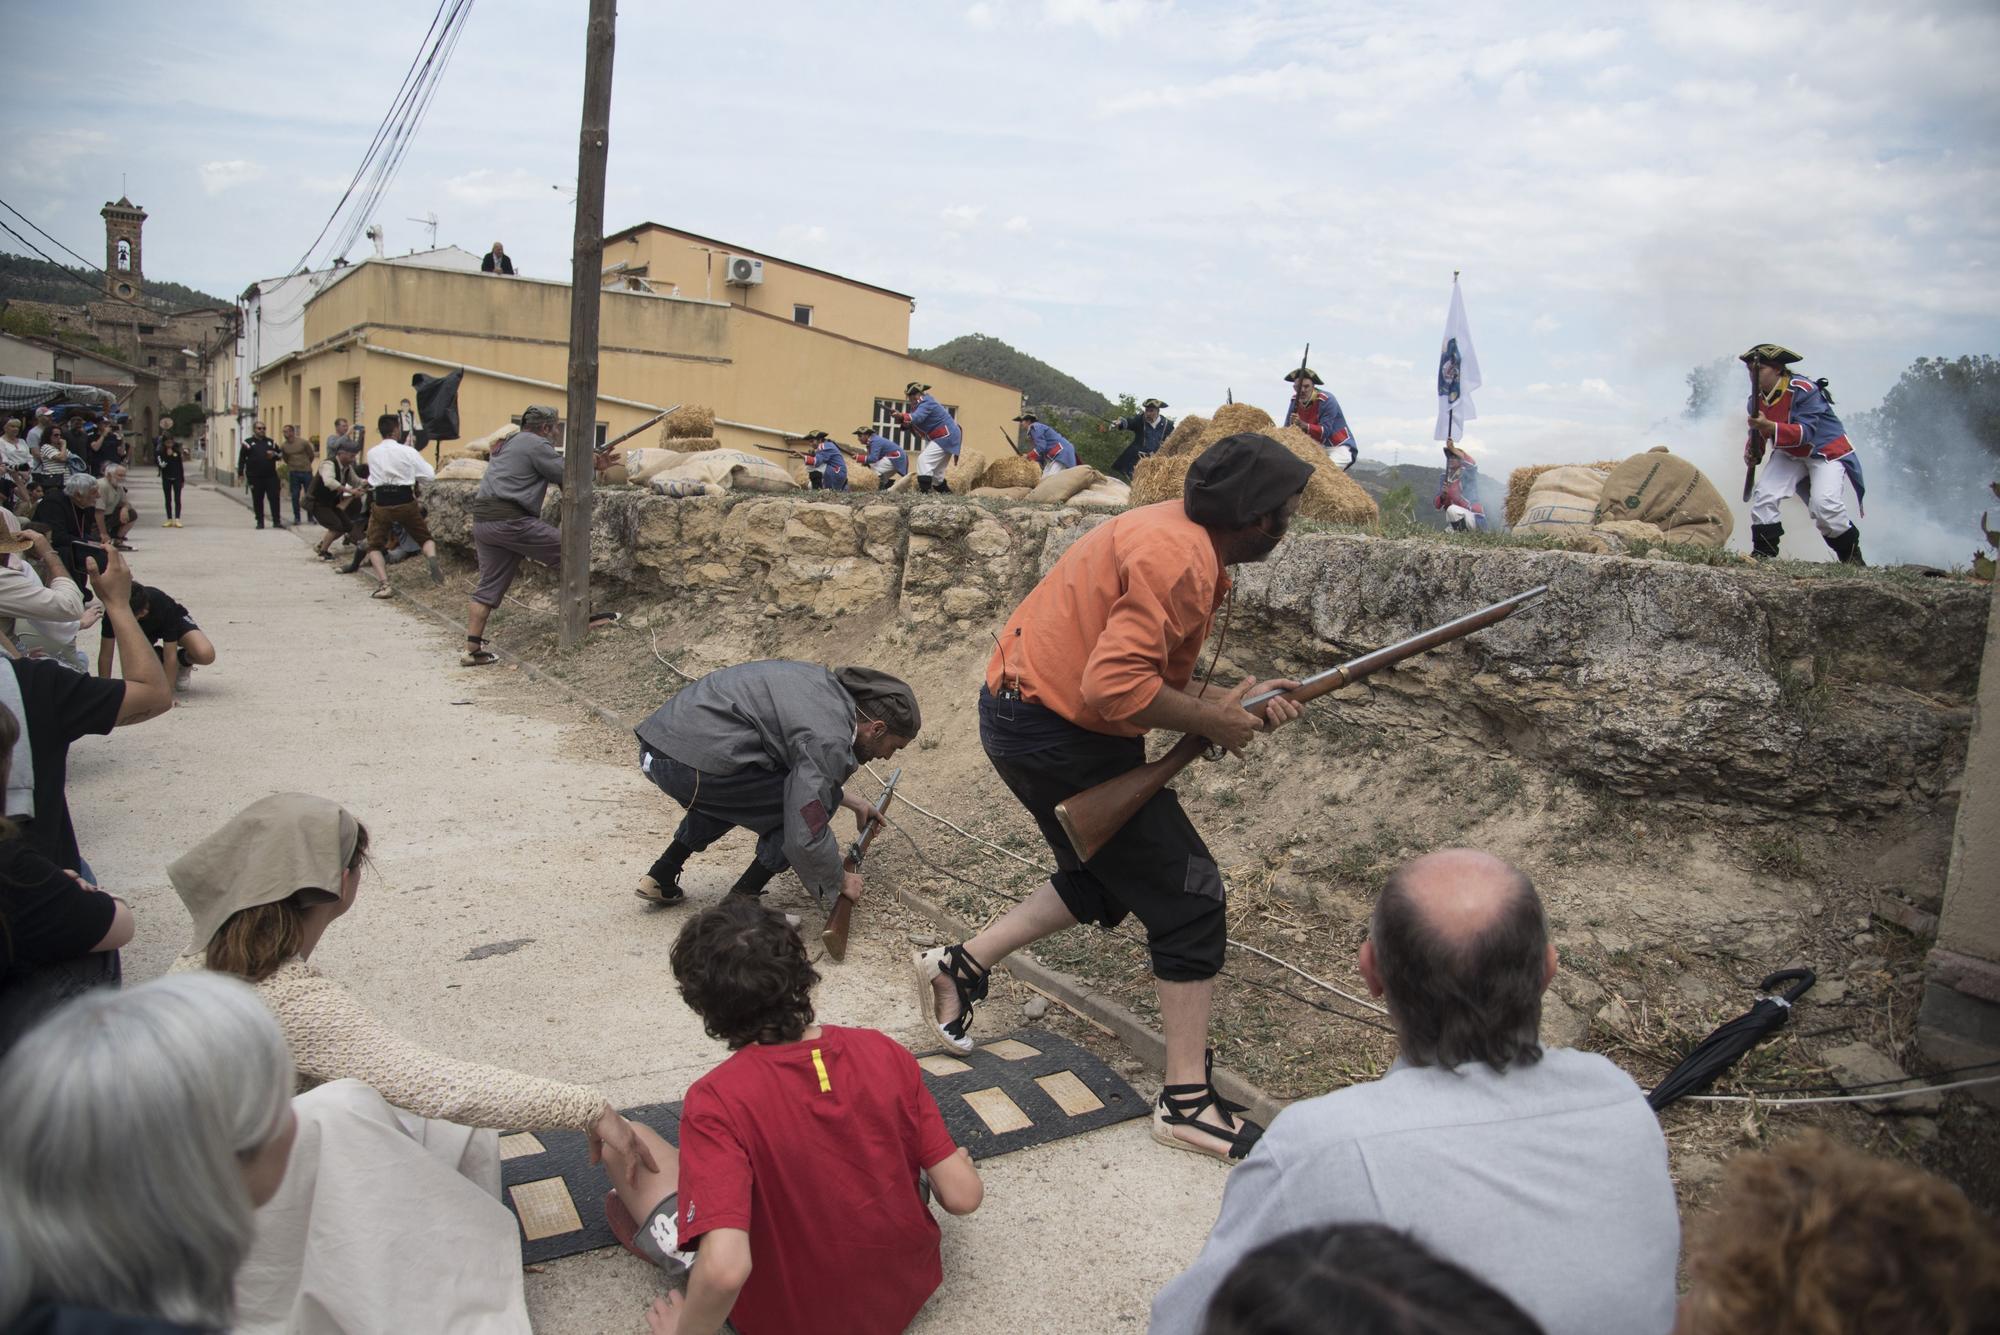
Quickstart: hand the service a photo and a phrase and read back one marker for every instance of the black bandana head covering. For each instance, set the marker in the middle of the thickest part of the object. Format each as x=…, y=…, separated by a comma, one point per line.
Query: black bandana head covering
x=882, y=697
x=1240, y=479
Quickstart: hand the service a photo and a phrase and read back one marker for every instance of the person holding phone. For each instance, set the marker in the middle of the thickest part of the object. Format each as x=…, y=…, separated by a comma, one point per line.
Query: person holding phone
x=70, y=511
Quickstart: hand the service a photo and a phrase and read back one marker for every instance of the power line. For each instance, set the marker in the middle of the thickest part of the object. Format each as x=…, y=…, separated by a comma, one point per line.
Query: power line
x=74, y=277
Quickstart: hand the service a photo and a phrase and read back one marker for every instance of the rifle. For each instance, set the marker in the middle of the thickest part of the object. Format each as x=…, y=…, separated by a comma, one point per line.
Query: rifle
x=1094, y=816
x=835, y=936
x=614, y=443
x=1011, y=443
x=1753, y=447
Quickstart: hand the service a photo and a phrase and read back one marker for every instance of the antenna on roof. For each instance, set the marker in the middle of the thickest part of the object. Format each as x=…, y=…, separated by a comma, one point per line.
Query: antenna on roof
x=429, y=220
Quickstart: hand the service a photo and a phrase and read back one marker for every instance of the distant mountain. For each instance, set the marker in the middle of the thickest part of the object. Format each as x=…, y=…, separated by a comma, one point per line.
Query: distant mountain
x=1378, y=480
x=24, y=279
x=1041, y=384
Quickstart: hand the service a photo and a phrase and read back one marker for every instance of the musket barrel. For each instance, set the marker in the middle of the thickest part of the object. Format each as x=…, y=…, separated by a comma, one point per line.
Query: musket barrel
x=1334, y=678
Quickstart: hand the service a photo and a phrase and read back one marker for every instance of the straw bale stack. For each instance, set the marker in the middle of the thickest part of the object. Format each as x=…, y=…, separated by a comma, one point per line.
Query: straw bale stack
x=1186, y=432
x=1522, y=481
x=862, y=479
x=1331, y=496
x=1012, y=470
x=1234, y=418
x=688, y=422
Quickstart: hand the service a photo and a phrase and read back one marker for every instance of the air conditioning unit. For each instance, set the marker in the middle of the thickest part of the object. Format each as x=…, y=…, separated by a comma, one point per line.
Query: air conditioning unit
x=742, y=271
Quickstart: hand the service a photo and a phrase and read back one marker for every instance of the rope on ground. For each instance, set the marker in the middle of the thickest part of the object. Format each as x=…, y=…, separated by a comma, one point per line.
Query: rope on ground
x=1363, y=1002
x=1843, y=1098
x=654, y=636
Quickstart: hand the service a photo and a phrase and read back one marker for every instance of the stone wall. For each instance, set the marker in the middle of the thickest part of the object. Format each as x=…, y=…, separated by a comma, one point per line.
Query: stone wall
x=1834, y=695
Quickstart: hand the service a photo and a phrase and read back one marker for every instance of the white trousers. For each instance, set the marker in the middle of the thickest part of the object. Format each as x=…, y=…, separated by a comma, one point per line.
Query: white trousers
x=931, y=461
x=884, y=469
x=1455, y=514
x=1826, y=496
x=1052, y=467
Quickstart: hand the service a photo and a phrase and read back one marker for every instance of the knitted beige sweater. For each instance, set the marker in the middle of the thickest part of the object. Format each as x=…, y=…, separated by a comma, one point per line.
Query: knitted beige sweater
x=333, y=1037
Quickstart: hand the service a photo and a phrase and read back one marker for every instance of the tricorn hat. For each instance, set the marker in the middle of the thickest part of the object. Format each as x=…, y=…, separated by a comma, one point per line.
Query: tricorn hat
x=1307, y=372
x=814, y=435
x=865, y=430
x=914, y=387
x=1152, y=403
x=1771, y=354
x=1027, y=417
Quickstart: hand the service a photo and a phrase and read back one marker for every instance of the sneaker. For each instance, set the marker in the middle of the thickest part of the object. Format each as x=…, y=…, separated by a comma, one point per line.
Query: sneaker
x=167, y=524
x=653, y=892
x=183, y=676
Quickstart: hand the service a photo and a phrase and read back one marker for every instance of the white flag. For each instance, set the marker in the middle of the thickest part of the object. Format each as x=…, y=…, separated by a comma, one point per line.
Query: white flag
x=1458, y=371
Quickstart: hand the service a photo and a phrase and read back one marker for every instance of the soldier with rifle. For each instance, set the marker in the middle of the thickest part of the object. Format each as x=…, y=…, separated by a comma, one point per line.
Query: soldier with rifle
x=1101, y=651
x=1150, y=429
x=1810, y=455
x=1318, y=414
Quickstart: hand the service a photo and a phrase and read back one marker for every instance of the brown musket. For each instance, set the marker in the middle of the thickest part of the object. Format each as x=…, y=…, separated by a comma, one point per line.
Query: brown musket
x=1094, y=816
x=834, y=938
x=1753, y=446
x=616, y=441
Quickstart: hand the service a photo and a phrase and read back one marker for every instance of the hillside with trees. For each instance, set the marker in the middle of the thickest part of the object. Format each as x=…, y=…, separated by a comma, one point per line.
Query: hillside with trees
x=1040, y=384
x=25, y=279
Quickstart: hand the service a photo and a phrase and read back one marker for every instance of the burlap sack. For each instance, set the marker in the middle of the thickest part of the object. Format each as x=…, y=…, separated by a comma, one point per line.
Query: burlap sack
x=1058, y=489
x=1001, y=493
x=730, y=470
x=1106, y=494
x=1622, y=535
x=643, y=465
x=482, y=446
x=462, y=470
x=1663, y=489
x=1562, y=500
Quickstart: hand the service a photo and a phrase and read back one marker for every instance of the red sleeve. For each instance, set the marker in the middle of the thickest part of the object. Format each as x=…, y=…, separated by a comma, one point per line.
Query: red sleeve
x=1315, y=430
x=1788, y=433
x=715, y=1169
x=929, y=1138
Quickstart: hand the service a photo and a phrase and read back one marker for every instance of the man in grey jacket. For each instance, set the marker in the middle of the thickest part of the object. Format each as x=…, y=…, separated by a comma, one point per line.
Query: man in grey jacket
x=766, y=746
x=507, y=523
x=1544, y=1173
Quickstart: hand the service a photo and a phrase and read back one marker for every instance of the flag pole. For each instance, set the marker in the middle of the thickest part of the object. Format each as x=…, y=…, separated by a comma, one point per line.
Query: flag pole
x=1450, y=413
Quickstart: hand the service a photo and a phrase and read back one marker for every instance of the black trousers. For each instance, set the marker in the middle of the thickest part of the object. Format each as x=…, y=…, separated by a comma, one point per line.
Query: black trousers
x=263, y=490
x=1156, y=867
x=170, y=489
x=752, y=799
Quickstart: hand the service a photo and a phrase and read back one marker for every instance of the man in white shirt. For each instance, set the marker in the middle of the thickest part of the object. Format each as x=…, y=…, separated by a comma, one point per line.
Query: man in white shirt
x=44, y=423
x=394, y=471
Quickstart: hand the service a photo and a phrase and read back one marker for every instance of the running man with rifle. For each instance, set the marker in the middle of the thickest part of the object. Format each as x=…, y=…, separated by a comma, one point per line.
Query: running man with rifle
x=1810, y=457
x=1101, y=651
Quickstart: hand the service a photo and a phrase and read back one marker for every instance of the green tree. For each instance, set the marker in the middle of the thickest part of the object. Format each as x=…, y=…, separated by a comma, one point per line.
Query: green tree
x=1096, y=443
x=181, y=420
x=1938, y=429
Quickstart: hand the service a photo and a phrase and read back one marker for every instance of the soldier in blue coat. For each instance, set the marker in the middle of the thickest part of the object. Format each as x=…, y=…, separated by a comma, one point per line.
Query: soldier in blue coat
x=882, y=455
x=1149, y=431
x=827, y=461
x=1318, y=414
x=942, y=438
x=1045, y=445
x=1810, y=455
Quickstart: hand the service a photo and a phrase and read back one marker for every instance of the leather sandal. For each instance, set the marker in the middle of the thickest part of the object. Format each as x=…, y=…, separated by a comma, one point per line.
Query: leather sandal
x=478, y=655
x=383, y=591
x=1183, y=1105
x=969, y=978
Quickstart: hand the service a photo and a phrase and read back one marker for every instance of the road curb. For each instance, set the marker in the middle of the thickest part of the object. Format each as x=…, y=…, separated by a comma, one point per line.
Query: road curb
x=1145, y=1042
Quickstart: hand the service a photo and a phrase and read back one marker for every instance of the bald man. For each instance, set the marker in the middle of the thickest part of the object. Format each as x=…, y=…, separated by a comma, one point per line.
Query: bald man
x=1542, y=1171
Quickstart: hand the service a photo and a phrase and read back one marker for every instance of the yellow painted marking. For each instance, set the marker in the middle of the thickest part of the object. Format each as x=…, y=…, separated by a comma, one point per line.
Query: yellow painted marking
x=1012, y=1049
x=825, y=1085
x=1000, y=1113
x=520, y=1145
x=1071, y=1094
x=545, y=1208
x=939, y=1064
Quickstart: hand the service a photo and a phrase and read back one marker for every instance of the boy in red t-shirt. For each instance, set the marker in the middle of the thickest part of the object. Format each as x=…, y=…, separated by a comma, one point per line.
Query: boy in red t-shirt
x=807, y=1150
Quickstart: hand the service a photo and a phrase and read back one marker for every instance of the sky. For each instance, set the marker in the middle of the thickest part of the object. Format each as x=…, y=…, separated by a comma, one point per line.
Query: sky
x=1160, y=198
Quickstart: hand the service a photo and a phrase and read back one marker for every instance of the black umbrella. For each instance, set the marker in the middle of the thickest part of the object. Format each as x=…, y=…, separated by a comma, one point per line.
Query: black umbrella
x=1719, y=1051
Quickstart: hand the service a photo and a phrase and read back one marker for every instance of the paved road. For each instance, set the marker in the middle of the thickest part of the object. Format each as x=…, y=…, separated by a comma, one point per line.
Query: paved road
x=496, y=814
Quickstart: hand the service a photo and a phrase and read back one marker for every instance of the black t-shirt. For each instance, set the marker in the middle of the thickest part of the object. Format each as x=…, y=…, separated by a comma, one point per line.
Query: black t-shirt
x=164, y=620
x=61, y=705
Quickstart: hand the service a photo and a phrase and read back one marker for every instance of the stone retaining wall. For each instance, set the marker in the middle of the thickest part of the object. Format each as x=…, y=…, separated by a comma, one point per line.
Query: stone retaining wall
x=1840, y=696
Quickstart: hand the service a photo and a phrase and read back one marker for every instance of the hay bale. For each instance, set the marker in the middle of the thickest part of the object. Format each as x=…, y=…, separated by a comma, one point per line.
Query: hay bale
x=1059, y=487
x=967, y=472
x=1012, y=470
x=1234, y=418
x=1001, y=493
x=1331, y=496
x=687, y=444
x=1522, y=481
x=1184, y=436
x=862, y=479
x=690, y=421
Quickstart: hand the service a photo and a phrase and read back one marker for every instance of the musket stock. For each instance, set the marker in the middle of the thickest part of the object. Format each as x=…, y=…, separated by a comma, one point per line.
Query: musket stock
x=1094, y=816
x=834, y=938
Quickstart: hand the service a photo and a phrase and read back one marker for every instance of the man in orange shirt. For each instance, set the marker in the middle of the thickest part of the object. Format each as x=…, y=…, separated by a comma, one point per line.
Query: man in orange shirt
x=1102, y=650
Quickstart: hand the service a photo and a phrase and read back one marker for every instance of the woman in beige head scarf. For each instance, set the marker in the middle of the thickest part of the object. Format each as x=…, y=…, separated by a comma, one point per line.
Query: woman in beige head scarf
x=262, y=891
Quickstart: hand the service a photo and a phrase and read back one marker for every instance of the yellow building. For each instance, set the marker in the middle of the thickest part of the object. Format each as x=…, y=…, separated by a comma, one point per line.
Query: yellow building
x=770, y=377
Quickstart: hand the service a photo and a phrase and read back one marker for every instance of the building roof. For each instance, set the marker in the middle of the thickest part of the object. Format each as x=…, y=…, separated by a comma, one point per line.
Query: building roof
x=735, y=249
x=69, y=350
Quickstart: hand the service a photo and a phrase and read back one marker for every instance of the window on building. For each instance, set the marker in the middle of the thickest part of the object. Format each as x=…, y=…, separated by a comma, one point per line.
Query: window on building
x=885, y=422
x=63, y=378
x=802, y=315
x=146, y=328
x=152, y=361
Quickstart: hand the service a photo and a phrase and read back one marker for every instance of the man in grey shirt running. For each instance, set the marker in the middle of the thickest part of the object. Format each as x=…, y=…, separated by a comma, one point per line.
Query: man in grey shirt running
x=1544, y=1173
x=766, y=747
x=507, y=523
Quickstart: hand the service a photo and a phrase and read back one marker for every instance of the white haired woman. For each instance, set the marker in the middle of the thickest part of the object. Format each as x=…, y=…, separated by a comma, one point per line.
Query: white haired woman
x=143, y=1129
x=414, y=1249
x=71, y=515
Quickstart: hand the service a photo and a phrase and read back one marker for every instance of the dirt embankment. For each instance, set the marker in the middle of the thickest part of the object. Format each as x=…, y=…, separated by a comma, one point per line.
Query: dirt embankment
x=1711, y=774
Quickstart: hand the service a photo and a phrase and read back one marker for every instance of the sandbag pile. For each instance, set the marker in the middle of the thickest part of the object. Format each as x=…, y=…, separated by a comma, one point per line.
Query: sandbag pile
x=1000, y=493
x=1332, y=496
x=1059, y=487
x=480, y=447
x=643, y=465
x=727, y=470
x=1611, y=506
x=1107, y=493
x=462, y=469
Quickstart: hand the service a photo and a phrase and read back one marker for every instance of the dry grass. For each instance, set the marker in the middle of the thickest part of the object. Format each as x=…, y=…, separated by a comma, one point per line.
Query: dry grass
x=1184, y=436
x=1331, y=497
x=1011, y=471
x=689, y=422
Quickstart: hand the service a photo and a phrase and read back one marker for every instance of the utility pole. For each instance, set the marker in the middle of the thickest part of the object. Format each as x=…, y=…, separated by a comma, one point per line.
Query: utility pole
x=585, y=284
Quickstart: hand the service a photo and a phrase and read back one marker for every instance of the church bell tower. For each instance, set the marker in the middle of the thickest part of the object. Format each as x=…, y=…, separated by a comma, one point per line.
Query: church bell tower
x=123, y=222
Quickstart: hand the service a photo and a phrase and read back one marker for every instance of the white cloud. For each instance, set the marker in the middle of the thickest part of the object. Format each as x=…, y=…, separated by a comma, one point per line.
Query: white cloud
x=980, y=17
x=960, y=215
x=1017, y=223
x=217, y=177
x=1107, y=18
x=486, y=187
